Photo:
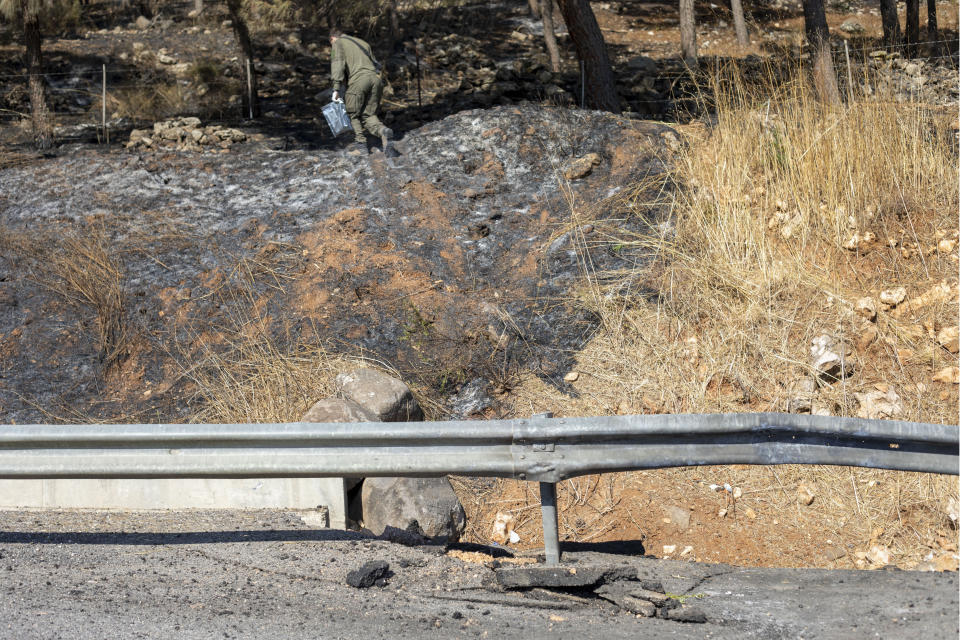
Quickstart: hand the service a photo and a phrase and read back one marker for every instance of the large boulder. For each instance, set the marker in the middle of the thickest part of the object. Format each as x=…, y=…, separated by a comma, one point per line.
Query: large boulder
x=387, y=398
x=424, y=506
x=338, y=410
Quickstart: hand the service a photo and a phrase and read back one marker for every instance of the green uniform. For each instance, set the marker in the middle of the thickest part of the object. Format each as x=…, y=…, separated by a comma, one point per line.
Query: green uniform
x=352, y=63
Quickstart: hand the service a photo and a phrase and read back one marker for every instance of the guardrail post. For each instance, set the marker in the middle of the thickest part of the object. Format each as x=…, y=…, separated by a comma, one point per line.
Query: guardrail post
x=548, y=509
x=551, y=531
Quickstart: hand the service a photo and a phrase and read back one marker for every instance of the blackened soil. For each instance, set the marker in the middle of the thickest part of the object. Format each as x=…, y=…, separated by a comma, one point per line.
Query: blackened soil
x=454, y=263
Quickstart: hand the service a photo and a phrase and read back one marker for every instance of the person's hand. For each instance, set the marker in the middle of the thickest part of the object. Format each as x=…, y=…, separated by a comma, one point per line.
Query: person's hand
x=336, y=96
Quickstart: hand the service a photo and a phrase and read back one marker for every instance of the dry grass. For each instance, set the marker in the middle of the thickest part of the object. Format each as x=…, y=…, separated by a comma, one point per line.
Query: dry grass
x=82, y=267
x=148, y=102
x=245, y=374
x=743, y=263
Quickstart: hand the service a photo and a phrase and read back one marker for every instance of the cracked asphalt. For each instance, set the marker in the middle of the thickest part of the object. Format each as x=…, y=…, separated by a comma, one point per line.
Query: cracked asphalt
x=223, y=574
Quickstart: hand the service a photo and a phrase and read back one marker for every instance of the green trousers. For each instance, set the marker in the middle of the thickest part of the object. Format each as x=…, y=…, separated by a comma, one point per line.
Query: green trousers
x=362, y=102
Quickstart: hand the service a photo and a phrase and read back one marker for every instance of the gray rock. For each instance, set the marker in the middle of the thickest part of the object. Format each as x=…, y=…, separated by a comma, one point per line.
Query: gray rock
x=852, y=26
x=830, y=357
x=142, y=23
x=802, y=392
x=473, y=398
x=338, y=410
x=679, y=516
x=387, y=398
x=426, y=506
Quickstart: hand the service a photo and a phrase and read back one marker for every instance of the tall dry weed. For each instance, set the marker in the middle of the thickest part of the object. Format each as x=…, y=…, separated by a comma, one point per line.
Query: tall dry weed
x=777, y=218
x=84, y=269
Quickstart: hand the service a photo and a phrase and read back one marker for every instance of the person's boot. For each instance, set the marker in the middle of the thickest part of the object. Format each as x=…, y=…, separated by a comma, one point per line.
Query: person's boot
x=386, y=137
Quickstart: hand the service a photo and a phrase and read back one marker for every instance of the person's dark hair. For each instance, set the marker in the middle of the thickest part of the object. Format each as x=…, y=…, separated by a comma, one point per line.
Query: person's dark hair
x=335, y=33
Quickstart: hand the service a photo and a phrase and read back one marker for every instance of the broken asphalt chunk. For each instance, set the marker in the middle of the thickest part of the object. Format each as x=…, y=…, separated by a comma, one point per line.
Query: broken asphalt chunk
x=561, y=577
x=371, y=573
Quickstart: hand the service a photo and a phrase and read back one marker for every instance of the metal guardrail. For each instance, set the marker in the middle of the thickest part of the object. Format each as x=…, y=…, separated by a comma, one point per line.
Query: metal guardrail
x=541, y=449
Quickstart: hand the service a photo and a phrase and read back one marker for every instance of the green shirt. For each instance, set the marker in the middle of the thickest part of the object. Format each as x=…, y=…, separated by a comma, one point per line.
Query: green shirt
x=350, y=56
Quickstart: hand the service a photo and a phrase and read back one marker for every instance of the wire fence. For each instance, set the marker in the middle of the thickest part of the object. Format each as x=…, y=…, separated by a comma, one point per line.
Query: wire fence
x=95, y=90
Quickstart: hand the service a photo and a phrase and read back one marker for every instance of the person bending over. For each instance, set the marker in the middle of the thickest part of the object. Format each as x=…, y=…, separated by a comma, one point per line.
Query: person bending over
x=352, y=65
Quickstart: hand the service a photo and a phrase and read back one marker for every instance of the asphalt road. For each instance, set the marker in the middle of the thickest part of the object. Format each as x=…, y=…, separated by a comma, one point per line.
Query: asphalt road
x=267, y=574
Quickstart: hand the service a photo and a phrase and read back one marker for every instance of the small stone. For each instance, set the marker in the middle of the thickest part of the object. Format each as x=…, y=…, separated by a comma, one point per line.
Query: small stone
x=750, y=513
x=573, y=376
x=830, y=358
x=893, y=297
x=947, y=562
x=143, y=23
x=368, y=575
x=581, y=167
x=867, y=338
x=687, y=550
x=669, y=549
x=949, y=337
x=946, y=246
x=805, y=495
x=737, y=493
x=722, y=513
x=164, y=58
x=950, y=375
x=860, y=241
x=802, y=391
x=679, y=516
x=878, y=555
x=877, y=405
x=867, y=307
x=502, y=528
x=834, y=553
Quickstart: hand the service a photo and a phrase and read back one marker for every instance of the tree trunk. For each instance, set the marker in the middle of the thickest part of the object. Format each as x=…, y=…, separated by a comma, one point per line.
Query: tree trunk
x=588, y=40
x=549, y=36
x=251, y=101
x=913, y=26
x=535, y=10
x=42, y=127
x=739, y=24
x=932, y=30
x=818, y=36
x=394, y=21
x=891, y=22
x=688, y=33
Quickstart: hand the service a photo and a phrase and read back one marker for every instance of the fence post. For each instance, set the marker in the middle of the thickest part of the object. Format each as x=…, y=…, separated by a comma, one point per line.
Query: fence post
x=249, y=89
x=103, y=105
x=846, y=52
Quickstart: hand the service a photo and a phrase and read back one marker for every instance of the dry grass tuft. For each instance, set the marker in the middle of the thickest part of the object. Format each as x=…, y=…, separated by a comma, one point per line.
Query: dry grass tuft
x=81, y=266
x=242, y=374
x=148, y=102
